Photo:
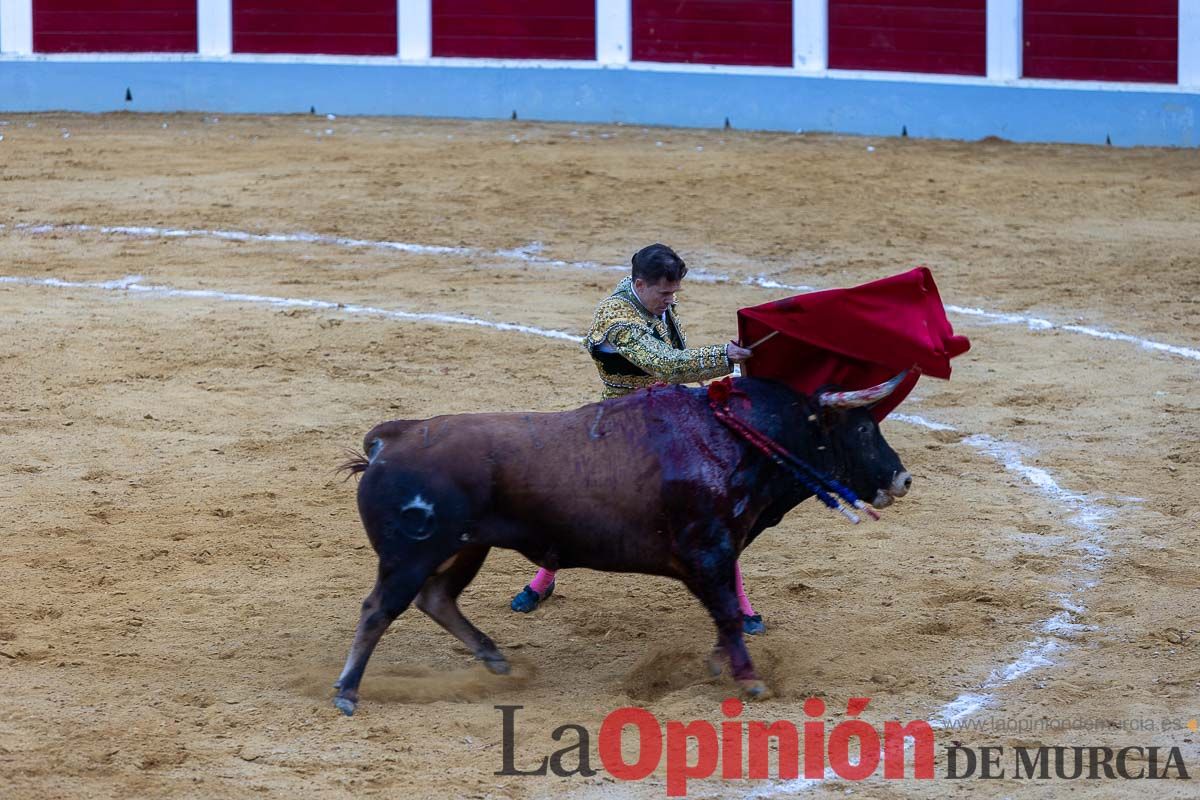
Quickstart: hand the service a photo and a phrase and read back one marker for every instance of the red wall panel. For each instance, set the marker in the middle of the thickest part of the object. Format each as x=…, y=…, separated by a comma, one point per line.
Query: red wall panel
x=945, y=36
x=329, y=27
x=114, y=26
x=515, y=28
x=750, y=32
x=1118, y=40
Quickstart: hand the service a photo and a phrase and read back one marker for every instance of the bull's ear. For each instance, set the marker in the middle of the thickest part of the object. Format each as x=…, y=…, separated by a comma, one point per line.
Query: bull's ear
x=825, y=416
x=830, y=418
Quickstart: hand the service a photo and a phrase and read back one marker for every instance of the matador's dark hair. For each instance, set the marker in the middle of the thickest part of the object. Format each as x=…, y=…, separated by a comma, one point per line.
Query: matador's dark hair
x=657, y=261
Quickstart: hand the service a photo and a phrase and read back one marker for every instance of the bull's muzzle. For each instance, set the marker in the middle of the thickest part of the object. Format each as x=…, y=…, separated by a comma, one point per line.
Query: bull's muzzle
x=901, y=483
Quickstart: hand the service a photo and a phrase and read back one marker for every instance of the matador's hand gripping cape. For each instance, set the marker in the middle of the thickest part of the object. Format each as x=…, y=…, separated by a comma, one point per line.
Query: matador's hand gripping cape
x=643, y=349
x=854, y=338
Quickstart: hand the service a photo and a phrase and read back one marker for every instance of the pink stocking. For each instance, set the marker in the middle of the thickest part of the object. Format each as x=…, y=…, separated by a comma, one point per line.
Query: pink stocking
x=743, y=601
x=541, y=582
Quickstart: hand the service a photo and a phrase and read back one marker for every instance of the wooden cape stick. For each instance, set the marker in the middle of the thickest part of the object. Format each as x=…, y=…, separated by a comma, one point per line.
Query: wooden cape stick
x=769, y=336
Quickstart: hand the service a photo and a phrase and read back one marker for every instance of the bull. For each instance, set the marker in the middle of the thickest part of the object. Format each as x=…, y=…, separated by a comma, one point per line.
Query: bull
x=649, y=483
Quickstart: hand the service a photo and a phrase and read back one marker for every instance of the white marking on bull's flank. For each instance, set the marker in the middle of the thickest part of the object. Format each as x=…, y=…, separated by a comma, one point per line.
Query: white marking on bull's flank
x=420, y=504
x=530, y=253
x=132, y=285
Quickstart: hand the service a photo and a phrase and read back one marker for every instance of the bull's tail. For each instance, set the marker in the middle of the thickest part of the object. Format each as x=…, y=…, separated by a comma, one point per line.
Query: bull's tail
x=357, y=463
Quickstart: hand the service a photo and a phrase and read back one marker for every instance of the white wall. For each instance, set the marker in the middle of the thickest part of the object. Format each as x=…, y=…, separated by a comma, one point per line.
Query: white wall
x=1189, y=43
x=16, y=27
x=614, y=31
x=1004, y=40
x=214, y=27
x=810, y=35
x=414, y=22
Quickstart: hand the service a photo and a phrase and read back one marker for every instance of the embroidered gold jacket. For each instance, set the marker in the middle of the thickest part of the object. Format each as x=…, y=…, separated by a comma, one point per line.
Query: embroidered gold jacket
x=648, y=349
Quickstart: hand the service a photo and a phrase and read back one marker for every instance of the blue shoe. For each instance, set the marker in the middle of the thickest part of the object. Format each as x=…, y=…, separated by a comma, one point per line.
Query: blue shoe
x=528, y=599
x=751, y=625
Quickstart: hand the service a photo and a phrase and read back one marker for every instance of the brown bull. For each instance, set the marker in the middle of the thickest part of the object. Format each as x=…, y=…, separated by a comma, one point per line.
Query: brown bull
x=650, y=483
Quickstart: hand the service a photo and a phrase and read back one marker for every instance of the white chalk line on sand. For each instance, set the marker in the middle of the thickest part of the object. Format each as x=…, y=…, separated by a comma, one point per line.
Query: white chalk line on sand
x=1057, y=630
x=147, y=232
x=1088, y=516
x=913, y=419
x=531, y=254
x=133, y=285
x=1039, y=324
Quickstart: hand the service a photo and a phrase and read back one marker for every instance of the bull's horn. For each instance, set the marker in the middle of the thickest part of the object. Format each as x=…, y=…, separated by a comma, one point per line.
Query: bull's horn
x=860, y=397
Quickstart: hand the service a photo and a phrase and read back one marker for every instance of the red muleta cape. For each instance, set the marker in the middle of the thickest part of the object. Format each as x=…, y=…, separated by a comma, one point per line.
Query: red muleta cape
x=854, y=338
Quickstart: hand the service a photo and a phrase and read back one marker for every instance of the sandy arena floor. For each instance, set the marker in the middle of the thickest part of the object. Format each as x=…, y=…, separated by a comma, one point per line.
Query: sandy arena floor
x=182, y=569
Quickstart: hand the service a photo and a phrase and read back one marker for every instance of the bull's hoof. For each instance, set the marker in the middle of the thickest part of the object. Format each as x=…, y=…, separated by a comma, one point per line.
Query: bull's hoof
x=497, y=666
x=345, y=705
x=716, y=663
x=754, y=690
